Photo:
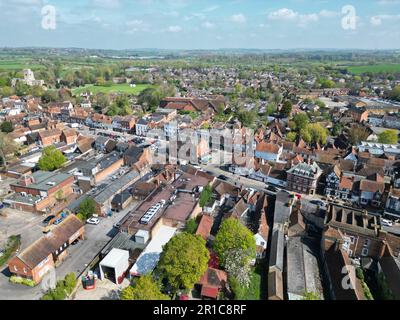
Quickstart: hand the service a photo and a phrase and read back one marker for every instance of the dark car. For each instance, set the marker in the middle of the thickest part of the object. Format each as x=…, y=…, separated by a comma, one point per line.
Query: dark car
x=48, y=220
x=221, y=177
x=75, y=242
x=272, y=188
x=318, y=203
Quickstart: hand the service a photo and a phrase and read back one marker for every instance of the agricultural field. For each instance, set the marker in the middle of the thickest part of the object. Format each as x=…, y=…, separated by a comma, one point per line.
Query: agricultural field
x=18, y=65
x=377, y=68
x=115, y=88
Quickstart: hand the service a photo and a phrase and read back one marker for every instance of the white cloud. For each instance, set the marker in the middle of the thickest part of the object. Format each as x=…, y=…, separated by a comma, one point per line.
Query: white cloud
x=300, y=19
x=174, y=29
x=283, y=14
x=106, y=4
x=376, y=21
x=238, y=18
x=208, y=25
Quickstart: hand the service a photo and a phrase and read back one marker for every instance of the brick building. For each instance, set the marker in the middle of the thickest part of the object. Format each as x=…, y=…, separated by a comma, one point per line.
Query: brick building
x=303, y=178
x=47, y=252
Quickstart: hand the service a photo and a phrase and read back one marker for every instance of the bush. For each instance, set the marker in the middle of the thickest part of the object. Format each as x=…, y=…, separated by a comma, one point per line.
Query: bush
x=12, y=246
x=25, y=282
x=191, y=226
x=62, y=289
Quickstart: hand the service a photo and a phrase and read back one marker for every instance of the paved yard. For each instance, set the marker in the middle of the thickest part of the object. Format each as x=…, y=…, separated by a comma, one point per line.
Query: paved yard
x=105, y=290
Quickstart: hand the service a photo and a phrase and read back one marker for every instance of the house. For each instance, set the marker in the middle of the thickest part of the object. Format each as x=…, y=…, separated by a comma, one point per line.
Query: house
x=392, y=208
x=46, y=253
x=358, y=114
x=268, y=151
x=303, y=177
x=69, y=136
x=49, y=137
x=121, y=201
x=204, y=227
x=137, y=157
x=142, y=126
x=104, y=144
x=42, y=192
x=371, y=191
x=203, y=105
x=261, y=237
x=212, y=283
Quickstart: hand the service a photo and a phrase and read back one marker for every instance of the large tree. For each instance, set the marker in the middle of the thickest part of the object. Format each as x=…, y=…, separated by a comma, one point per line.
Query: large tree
x=143, y=288
x=314, y=133
x=357, y=133
x=183, y=261
x=6, y=127
x=234, y=235
x=51, y=159
x=301, y=120
x=388, y=137
x=87, y=208
x=286, y=109
x=7, y=146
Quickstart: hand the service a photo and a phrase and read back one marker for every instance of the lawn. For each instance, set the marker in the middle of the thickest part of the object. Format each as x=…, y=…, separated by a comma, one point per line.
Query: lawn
x=377, y=68
x=115, y=88
x=253, y=292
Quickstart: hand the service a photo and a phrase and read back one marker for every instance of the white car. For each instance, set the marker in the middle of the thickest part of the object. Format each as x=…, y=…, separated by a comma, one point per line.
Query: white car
x=386, y=223
x=94, y=221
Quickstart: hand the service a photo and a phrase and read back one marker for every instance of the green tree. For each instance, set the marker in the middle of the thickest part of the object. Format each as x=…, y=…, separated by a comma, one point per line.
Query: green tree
x=291, y=136
x=143, y=288
x=301, y=120
x=388, y=137
x=87, y=208
x=191, y=226
x=286, y=109
x=183, y=261
x=357, y=133
x=51, y=159
x=234, y=235
x=314, y=133
x=308, y=295
x=7, y=147
x=205, y=195
x=6, y=127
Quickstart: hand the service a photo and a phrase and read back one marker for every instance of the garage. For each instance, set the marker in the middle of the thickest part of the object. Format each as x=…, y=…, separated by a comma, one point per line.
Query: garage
x=114, y=266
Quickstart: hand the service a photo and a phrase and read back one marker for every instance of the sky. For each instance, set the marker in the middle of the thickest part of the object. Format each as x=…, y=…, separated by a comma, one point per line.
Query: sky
x=201, y=24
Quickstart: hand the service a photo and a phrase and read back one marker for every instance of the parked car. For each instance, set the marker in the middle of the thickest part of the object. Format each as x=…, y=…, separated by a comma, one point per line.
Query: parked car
x=94, y=221
x=48, y=220
x=222, y=177
x=58, y=221
x=318, y=203
x=386, y=223
x=272, y=188
x=75, y=242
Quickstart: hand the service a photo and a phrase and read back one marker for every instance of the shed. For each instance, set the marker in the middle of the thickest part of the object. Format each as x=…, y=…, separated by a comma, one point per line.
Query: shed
x=115, y=265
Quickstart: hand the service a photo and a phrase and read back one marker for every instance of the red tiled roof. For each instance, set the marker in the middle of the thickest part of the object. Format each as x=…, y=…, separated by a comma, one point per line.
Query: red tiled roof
x=205, y=226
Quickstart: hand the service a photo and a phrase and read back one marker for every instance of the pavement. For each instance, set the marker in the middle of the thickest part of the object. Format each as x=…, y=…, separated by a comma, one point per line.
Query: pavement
x=105, y=290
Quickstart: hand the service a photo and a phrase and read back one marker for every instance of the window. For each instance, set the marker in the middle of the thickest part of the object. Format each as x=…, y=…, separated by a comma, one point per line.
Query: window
x=364, y=252
x=367, y=242
x=25, y=271
x=15, y=268
x=56, y=251
x=352, y=239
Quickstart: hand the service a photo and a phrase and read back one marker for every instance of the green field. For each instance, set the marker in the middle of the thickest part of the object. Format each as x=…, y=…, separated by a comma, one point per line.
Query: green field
x=17, y=65
x=377, y=68
x=115, y=88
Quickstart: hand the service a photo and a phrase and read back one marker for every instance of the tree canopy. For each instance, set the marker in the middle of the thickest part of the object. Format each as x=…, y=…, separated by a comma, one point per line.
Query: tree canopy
x=314, y=133
x=51, y=159
x=286, y=109
x=87, y=208
x=205, y=196
x=143, y=288
x=183, y=261
x=301, y=120
x=234, y=235
x=6, y=127
x=388, y=137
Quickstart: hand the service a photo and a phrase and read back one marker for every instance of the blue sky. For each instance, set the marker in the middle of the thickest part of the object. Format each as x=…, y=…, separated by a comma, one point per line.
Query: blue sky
x=201, y=24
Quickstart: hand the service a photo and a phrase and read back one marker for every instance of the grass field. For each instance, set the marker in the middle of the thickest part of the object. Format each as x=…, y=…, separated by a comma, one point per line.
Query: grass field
x=115, y=88
x=17, y=65
x=377, y=68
